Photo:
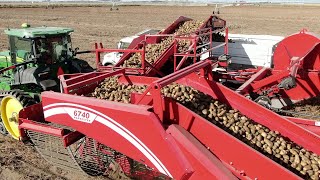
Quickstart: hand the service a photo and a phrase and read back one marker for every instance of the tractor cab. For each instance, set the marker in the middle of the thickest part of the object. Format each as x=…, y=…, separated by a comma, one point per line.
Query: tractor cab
x=42, y=45
x=36, y=56
x=34, y=60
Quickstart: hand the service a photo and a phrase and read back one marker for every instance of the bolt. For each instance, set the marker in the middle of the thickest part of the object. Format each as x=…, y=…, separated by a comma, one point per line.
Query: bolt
x=12, y=119
x=242, y=173
x=231, y=163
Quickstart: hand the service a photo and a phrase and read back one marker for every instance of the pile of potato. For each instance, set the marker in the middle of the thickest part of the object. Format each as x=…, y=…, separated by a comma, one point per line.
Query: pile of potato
x=270, y=143
x=111, y=90
x=308, y=109
x=257, y=136
x=154, y=51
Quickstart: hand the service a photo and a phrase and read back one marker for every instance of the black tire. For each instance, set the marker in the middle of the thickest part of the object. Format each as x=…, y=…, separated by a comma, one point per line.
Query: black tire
x=24, y=98
x=80, y=66
x=3, y=129
x=108, y=64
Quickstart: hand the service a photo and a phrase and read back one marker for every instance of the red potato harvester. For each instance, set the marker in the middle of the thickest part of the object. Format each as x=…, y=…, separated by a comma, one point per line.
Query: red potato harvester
x=183, y=123
x=159, y=135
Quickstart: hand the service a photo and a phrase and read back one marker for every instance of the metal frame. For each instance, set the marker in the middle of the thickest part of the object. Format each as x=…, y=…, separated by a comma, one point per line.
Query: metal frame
x=152, y=121
x=193, y=47
x=138, y=46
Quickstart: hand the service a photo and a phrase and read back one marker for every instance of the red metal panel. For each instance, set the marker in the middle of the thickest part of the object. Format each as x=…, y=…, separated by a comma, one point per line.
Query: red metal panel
x=182, y=73
x=94, y=79
x=71, y=138
x=246, y=87
x=207, y=166
x=162, y=60
x=131, y=129
x=242, y=159
x=84, y=83
x=260, y=114
x=30, y=125
x=292, y=46
x=310, y=125
x=34, y=112
x=174, y=25
x=270, y=80
x=137, y=80
x=308, y=85
x=134, y=45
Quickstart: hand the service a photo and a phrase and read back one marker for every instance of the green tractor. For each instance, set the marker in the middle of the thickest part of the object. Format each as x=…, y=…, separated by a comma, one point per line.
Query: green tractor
x=35, y=58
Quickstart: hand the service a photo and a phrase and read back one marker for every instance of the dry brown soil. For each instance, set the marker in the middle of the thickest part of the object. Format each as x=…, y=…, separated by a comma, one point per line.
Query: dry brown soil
x=94, y=24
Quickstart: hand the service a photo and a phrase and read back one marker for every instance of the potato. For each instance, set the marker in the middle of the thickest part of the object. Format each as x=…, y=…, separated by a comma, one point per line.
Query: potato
x=259, y=137
x=154, y=51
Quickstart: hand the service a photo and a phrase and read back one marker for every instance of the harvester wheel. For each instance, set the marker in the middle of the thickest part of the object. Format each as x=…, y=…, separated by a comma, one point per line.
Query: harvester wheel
x=10, y=108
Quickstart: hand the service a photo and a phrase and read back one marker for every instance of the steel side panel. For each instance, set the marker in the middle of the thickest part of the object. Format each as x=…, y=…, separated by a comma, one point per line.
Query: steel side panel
x=243, y=159
x=161, y=60
x=208, y=165
x=137, y=80
x=270, y=80
x=30, y=125
x=314, y=129
x=308, y=85
x=245, y=87
x=130, y=129
x=261, y=115
x=308, y=124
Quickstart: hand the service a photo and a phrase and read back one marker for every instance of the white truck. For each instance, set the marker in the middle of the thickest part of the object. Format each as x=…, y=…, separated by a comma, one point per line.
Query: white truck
x=256, y=50
x=113, y=57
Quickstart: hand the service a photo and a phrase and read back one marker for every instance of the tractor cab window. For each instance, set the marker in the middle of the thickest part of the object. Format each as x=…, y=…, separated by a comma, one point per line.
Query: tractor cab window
x=44, y=51
x=20, y=48
x=53, y=49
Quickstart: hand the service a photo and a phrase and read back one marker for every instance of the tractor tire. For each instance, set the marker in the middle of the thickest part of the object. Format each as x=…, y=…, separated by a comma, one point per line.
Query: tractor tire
x=13, y=101
x=3, y=129
x=80, y=66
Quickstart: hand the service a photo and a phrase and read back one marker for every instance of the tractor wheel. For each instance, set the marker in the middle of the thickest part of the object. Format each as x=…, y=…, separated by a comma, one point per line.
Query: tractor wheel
x=3, y=129
x=10, y=108
x=80, y=66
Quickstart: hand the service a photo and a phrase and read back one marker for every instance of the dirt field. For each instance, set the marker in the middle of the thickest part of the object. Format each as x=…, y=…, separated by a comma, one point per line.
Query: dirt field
x=95, y=24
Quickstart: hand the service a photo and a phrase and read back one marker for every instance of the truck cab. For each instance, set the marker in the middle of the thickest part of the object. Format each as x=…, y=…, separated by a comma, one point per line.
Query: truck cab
x=113, y=57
